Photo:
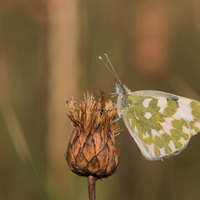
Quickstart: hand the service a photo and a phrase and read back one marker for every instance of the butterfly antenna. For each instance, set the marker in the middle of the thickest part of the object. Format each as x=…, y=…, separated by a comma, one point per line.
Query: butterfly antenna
x=111, y=69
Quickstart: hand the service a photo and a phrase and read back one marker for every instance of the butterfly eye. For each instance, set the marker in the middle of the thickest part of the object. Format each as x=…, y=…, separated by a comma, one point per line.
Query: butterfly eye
x=119, y=88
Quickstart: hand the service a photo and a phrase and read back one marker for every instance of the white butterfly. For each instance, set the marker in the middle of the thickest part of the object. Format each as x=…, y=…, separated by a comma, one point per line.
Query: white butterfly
x=160, y=123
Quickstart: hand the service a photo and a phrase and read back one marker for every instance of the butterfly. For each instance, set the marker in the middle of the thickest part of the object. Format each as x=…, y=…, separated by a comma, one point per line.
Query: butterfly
x=160, y=123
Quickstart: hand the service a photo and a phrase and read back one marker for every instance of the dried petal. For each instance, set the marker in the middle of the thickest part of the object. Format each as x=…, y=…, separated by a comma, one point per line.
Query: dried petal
x=103, y=157
x=93, y=165
x=88, y=148
x=81, y=161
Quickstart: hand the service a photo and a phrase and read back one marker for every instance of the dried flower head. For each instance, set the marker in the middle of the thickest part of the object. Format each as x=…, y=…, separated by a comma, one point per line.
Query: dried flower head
x=91, y=149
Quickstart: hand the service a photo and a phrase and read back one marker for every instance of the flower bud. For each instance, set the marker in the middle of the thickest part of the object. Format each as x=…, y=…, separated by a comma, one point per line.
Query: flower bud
x=91, y=149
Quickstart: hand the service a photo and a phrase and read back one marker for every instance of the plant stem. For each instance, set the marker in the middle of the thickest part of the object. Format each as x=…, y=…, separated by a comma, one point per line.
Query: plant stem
x=91, y=187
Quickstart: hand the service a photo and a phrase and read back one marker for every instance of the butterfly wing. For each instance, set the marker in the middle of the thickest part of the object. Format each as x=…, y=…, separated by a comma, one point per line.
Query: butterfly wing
x=161, y=123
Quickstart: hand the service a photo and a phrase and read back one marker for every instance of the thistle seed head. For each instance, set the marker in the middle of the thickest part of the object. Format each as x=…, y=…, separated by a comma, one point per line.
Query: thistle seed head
x=91, y=149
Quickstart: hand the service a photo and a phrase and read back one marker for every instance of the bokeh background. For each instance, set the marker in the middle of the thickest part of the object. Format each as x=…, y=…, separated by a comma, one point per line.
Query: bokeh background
x=49, y=51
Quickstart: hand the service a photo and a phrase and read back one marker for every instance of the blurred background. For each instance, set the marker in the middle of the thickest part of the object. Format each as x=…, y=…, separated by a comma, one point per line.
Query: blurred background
x=49, y=51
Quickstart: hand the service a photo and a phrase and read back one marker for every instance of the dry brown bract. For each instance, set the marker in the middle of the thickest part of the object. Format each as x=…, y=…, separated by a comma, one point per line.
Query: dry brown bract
x=92, y=150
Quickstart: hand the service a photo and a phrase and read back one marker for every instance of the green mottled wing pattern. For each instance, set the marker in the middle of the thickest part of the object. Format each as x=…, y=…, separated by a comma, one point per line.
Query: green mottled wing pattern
x=161, y=123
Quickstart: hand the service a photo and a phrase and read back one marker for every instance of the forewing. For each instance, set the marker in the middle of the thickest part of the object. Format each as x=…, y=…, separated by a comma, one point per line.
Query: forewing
x=161, y=123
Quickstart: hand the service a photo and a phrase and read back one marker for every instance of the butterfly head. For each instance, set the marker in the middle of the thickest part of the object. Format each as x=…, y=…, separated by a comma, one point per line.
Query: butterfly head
x=121, y=89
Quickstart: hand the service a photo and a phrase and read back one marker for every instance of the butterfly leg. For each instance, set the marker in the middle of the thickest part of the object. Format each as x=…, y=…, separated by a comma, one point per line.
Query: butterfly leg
x=116, y=120
x=113, y=94
x=113, y=104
